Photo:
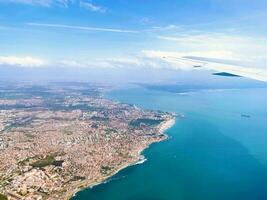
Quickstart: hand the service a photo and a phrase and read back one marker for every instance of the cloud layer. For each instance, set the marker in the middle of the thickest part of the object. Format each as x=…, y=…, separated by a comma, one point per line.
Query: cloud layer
x=26, y=61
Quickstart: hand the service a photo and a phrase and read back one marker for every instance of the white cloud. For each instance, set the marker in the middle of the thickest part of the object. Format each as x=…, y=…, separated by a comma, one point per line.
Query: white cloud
x=102, y=63
x=63, y=3
x=207, y=38
x=126, y=62
x=45, y=3
x=167, y=27
x=209, y=54
x=85, y=63
x=107, y=63
x=85, y=28
x=92, y=7
x=27, y=61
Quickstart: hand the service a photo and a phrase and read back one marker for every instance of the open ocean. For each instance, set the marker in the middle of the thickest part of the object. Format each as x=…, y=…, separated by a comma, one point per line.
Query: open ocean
x=217, y=152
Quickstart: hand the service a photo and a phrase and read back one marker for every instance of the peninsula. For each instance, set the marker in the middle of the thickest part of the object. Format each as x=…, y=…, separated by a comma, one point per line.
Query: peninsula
x=58, y=138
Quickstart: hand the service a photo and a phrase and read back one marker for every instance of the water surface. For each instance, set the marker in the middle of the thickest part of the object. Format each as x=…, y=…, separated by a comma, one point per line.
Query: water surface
x=214, y=153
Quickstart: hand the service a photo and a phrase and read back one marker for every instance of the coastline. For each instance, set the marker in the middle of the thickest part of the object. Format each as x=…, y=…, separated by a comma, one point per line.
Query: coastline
x=164, y=126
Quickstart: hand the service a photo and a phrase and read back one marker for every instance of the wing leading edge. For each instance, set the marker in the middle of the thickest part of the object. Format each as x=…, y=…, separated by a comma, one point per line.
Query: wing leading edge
x=221, y=68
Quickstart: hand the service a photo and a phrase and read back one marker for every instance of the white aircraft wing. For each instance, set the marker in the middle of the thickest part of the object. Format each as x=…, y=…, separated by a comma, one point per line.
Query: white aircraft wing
x=223, y=69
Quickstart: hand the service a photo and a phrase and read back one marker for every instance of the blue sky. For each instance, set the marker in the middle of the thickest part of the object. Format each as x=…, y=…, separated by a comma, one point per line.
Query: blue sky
x=119, y=33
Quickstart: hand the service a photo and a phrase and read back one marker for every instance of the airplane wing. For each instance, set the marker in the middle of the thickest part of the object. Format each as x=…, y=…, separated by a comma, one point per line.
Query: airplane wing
x=221, y=68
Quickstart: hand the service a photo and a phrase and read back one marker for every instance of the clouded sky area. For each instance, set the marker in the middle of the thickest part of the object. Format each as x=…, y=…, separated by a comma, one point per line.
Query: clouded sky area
x=120, y=33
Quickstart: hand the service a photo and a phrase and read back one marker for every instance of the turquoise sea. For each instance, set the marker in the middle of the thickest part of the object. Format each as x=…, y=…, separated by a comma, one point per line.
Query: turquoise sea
x=217, y=152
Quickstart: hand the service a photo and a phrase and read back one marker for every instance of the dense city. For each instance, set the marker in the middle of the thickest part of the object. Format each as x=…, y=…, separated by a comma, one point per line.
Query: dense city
x=56, y=139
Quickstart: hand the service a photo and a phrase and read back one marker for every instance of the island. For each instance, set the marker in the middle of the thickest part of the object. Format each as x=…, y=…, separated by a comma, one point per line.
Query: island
x=58, y=138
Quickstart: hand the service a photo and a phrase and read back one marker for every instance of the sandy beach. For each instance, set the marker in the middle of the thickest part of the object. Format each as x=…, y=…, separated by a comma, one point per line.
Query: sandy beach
x=166, y=125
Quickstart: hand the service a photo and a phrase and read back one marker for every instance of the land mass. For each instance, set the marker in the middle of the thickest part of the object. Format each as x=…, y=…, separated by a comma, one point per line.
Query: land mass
x=58, y=138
